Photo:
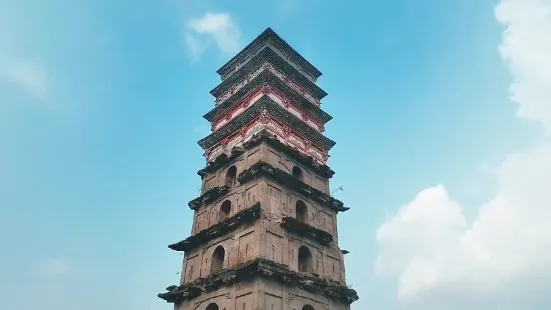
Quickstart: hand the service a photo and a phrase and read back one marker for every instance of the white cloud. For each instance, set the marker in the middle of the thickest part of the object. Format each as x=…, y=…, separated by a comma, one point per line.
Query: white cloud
x=500, y=259
x=217, y=28
x=27, y=75
x=53, y=268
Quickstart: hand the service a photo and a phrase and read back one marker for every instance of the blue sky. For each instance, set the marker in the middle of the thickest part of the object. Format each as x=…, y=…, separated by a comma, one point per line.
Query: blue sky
x=100, y=111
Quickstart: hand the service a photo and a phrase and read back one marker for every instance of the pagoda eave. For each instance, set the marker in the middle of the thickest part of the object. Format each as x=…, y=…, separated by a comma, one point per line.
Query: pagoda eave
x=271, y=139
x=265, y=269
x=259, y=42
x=209, y=196
x=262, y=168
x=303, y=229
x=257, y=83
x=270, y=57
x=268, y=108
x=243, y=217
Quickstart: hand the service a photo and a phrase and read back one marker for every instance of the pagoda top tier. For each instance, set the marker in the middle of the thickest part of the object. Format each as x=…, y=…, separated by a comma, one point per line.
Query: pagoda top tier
x=270, y=39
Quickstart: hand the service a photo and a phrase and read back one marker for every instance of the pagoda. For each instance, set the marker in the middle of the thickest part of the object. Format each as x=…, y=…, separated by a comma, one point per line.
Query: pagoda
x=264, y=230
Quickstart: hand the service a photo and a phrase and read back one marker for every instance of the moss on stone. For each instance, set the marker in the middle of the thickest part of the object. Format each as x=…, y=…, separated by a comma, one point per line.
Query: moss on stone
x=264, y=168
x=240, y=219
x=256, y=139
x=209, y=196
x=266, y=269
x=295, y=226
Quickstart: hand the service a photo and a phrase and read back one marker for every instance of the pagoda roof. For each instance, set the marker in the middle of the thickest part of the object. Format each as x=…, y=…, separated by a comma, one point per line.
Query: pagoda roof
x=263, y=268
x=272, y=80
x=268, y=55
x=267, y=104
x=265, y=136
x=263, y=39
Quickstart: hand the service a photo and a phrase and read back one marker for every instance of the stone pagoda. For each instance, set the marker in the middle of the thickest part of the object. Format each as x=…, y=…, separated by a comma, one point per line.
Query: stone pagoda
x=264, y=231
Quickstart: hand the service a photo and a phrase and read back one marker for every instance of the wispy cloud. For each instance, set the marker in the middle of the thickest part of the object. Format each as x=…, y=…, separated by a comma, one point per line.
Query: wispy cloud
x=500, y=260
x=26, y=74
x=53, y=268
x=212, y=28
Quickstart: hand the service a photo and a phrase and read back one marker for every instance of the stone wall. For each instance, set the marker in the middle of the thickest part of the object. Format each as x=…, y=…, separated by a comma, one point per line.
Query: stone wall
x=282, y=199
x=240, y=296
x=281, y=297
x=265, y=238
x=239, y=247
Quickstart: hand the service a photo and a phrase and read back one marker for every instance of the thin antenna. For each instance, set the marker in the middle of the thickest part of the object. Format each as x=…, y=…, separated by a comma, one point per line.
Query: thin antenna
x=319, y=211
x=338, y=189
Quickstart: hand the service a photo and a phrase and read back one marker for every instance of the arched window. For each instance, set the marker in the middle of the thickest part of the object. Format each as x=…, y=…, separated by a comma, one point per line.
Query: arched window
x=225, y=210
x=212, y=306
x=304, y=259
x=217, y=261
x=231, y=176
x=297, y=172
x=307, y=307
x=301, y=211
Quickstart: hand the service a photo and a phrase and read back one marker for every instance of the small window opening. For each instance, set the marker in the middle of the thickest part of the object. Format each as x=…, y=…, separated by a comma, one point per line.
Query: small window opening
x=307, y=307
x=304, y=259
x=212, y=306
x=217, y=261
x=231, y=176
x=301, y=211
x=297, y=172
x=225, y=210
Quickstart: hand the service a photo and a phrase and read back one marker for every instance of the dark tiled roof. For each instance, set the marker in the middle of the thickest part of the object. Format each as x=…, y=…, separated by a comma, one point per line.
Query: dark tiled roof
x=266, y=36
x=268, y=55
x=272, y=80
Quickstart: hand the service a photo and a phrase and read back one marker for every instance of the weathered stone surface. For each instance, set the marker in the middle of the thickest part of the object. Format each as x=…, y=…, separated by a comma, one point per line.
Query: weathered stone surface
x=261, y=268
x=242, y=218
x=295, y=226
x=282, y=252
x=208, y=197
x=264, y=168
x=265, y=136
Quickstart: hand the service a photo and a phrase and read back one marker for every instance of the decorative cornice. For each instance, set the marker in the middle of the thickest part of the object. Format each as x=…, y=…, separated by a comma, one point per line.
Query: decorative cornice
x=269, y=56
x=265, y=136
x=287, y=179
x=240, y=219
x=209, y=196
x=300, y=228
x=265, y=269
x=265, y=37
x=271, y=109
x=252, y=86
